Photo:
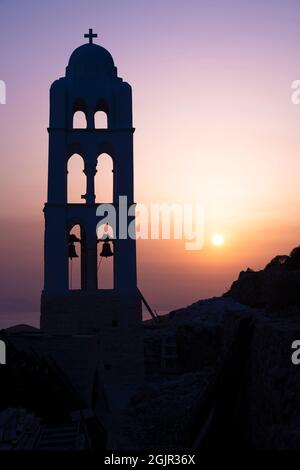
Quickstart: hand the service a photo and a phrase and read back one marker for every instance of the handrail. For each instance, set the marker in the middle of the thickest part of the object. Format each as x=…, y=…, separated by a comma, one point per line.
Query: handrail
x=153, y=315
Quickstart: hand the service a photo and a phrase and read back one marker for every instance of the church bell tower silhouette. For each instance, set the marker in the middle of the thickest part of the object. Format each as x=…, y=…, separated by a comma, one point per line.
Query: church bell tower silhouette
x=91, y=84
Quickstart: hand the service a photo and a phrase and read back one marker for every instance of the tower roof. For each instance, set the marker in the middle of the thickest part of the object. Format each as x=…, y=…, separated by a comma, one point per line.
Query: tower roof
x=90, y=56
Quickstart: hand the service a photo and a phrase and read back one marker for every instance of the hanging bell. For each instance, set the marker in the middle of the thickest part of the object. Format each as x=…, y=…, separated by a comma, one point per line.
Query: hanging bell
x=73, y=238
x=72, y=251
x=106, y=249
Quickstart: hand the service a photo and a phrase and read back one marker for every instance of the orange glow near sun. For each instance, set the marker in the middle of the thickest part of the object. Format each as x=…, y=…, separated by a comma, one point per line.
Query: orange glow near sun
x=217, y=239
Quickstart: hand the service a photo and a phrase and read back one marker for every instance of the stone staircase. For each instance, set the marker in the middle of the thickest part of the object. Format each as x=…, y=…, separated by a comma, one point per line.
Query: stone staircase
x=65, y=436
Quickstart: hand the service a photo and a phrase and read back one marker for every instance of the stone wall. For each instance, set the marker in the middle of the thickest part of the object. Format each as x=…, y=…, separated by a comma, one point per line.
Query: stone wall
x=272, y=382
x=274, y=385
x=187, y=340
x=267, y=409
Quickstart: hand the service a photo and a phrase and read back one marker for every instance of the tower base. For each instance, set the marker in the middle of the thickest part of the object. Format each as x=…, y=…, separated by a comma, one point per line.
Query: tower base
x=117, y=320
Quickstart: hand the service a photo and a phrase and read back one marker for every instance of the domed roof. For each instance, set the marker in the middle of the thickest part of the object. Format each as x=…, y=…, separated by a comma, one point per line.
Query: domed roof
x=91, y=55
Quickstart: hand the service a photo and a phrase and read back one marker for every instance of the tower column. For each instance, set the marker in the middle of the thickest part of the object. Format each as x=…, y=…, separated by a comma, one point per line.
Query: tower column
x=90, y=172
x=90, y=120
x=57, y=168
x=91, y=257
x=123, y=176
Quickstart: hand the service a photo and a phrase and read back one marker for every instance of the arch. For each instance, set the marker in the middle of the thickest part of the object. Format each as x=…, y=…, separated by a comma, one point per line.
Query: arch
x=107, y=147
x=101, y=115
x=76, y=185
x=79, y=120
x=75, y=147
x=105, y=266
x=101, y=120
x=104, y=230
x=104, y=179
x=77, y=264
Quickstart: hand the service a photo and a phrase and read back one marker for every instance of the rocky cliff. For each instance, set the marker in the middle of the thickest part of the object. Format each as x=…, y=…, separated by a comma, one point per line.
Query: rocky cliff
x=219, y=372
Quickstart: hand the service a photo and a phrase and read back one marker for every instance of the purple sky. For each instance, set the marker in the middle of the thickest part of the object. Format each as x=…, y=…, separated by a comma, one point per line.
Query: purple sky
x=214, y=123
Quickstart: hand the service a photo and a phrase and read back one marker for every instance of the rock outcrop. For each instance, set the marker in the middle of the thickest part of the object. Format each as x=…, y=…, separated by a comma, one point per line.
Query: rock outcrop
x=274, y=288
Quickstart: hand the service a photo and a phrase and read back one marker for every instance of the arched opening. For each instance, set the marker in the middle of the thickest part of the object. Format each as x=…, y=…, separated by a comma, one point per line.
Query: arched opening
x=104, y=179
x=105, y=255
x=79, y=120
x=76, y=179
x=100, y=120
x=76, y=257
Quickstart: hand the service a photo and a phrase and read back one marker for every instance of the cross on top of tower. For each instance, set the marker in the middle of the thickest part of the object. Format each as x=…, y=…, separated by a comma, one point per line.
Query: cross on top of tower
x=90, y=35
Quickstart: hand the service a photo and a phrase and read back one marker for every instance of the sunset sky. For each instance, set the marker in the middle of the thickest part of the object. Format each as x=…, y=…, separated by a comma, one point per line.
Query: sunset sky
x=214, y=124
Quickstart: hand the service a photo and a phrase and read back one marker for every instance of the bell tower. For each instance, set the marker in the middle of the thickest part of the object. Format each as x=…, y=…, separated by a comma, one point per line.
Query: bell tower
x=91, y=84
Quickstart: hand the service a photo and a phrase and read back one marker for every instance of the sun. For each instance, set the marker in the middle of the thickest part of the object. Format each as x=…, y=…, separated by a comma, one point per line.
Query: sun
x=217, y=239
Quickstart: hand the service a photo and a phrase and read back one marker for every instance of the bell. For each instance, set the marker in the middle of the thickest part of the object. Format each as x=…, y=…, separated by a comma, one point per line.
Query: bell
x=106, y=249
x=73, y=238
x=72, y=251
